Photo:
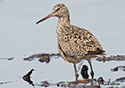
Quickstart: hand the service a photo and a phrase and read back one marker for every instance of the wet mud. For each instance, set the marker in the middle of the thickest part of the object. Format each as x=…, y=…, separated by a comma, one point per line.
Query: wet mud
x=85, y=82
x=10, y=58
x=112, y=58
x=45, y=57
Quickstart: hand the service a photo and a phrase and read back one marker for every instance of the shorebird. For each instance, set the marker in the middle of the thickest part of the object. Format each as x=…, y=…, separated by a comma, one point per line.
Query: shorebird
x=74, y=43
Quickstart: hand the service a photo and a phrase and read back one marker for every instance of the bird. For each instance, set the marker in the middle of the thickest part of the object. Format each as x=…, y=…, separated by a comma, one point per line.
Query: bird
x=74, y=43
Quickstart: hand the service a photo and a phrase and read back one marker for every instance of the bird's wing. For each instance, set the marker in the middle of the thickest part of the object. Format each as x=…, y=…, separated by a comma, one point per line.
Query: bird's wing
x=79, y=42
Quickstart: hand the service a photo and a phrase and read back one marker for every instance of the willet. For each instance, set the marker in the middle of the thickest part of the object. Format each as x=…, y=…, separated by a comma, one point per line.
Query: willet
x=74, y=43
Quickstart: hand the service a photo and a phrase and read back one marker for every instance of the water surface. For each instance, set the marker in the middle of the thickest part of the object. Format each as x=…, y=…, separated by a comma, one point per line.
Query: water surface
x=20, y=38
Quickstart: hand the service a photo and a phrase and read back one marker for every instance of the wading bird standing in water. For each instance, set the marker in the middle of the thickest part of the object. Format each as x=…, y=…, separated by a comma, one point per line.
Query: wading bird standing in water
x=74, y=43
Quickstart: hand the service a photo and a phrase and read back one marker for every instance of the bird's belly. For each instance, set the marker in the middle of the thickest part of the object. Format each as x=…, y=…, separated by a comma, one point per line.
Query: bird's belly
x=66, y=56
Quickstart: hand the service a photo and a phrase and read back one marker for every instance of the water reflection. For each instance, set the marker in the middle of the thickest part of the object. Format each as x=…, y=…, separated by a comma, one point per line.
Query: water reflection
x=27, y=77
x=18, y=18
x=84, y=72
x=112, y=58
x=121, y=79
x=97, y=83
x=118, y=68
x=6, y=82
x=43, y=57
x=10, y=58
x=85, y=82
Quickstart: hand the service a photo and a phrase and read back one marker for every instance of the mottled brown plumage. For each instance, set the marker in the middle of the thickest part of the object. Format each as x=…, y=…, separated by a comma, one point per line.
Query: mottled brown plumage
x=74, y=43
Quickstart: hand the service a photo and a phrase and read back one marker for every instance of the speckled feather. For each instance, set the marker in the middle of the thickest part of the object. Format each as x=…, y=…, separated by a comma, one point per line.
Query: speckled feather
x=75, y=43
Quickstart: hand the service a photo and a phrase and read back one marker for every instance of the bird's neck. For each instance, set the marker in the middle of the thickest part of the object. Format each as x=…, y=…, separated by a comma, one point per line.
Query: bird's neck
x=63, y=22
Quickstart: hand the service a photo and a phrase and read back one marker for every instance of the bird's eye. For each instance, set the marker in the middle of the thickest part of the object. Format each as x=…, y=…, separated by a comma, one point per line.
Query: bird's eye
x=57, y=9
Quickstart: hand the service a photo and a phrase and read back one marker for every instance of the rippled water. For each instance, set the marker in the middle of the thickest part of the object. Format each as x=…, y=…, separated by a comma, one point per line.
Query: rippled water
x=20, y=37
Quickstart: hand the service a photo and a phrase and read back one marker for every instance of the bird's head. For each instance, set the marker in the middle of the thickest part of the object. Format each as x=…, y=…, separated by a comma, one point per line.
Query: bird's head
x=60, y=10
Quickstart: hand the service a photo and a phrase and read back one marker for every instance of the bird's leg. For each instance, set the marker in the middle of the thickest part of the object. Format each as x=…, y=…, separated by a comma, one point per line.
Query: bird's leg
x=76, y=74
x=92, y=72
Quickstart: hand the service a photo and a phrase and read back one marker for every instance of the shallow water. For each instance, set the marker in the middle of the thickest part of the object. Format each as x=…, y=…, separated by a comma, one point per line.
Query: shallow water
x=20, y=38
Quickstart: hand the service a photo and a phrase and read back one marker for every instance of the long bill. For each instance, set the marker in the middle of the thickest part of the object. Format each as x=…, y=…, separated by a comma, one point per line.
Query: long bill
x=50, y=15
